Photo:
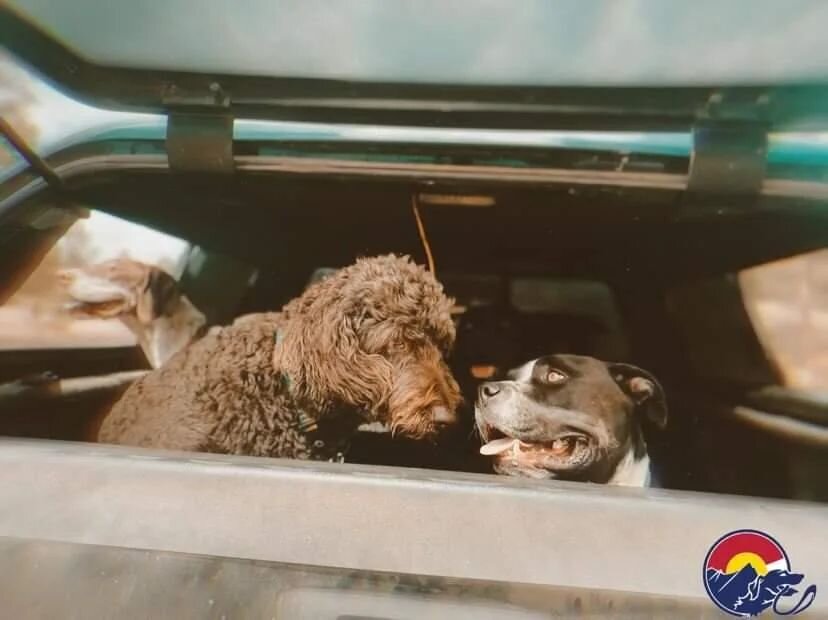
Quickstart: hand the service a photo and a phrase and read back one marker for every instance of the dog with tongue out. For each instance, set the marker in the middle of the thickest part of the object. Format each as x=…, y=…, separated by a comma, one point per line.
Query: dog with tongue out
x=571, y=417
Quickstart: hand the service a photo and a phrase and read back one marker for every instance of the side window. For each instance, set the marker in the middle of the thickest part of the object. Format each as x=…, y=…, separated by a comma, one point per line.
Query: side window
x=787, y=302
x=16, y=100
x=36, y=316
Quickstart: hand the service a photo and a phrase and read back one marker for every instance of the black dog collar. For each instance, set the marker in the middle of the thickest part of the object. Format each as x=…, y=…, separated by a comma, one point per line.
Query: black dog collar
x=278, y=338
x=324, y=437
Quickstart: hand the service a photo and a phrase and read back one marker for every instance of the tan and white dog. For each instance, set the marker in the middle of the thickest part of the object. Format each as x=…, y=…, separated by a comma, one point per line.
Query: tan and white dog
x=145, y=298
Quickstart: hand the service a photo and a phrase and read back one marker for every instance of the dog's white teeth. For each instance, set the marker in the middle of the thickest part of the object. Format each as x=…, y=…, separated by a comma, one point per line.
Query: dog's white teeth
x=560, y=446
x=499, y=445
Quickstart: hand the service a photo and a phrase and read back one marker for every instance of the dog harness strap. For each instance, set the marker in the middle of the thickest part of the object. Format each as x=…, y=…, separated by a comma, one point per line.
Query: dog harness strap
x=326, y=443
x=327, y=438
x=306, y=424
x=278, y=338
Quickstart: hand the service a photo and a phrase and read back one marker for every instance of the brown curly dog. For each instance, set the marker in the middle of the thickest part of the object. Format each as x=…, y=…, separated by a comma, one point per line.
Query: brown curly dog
x=365, y=344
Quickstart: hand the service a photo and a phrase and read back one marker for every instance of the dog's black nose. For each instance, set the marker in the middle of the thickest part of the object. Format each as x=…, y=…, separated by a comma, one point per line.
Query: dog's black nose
x=489, y=390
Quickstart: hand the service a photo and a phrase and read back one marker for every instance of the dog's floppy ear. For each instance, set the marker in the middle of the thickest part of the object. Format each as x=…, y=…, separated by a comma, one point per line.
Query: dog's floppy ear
x=319, y=353
x=160, y=291
x=644, y=389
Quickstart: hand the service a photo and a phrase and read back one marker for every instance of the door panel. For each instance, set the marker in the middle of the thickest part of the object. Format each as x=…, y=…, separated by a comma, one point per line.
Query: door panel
x=611, y=544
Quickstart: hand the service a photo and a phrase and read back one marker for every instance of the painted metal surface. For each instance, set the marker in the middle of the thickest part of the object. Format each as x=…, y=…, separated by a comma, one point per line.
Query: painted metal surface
x=106, y=582
x=619, y=42
x=405, y=522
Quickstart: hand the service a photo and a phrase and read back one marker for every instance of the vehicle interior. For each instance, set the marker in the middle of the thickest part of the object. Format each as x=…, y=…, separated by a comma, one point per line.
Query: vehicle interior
x=640, y=275
x=627, y=210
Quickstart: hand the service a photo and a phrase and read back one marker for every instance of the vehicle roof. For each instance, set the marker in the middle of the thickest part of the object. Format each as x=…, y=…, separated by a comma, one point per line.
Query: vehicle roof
x=644, y=65
x=534, y=42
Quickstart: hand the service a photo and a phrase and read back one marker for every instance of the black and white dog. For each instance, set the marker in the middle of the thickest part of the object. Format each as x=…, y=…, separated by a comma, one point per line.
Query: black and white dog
x=572, y=418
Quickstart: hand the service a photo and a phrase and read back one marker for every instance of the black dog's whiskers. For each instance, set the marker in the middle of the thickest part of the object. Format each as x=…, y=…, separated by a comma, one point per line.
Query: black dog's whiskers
x=475, y=433
x=479, y=431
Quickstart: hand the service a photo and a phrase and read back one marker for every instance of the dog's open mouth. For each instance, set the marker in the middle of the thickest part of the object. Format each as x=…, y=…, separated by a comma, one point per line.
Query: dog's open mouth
x=565, y=451
x=562, y=446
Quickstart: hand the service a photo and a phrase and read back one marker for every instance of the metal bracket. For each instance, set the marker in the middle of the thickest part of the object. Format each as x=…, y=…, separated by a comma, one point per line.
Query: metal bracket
x=200, y=142
x=728, y=158
x=730, y=146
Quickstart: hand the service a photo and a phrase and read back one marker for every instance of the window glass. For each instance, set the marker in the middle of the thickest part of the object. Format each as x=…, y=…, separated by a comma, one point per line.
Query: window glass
x=36, y=316
x=16, y=104
x=787, y=301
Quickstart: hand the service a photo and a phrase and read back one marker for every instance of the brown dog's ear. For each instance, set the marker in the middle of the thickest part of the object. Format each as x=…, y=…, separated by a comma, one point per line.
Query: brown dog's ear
x=160, y=292
x=319, y=353
x=644, y=389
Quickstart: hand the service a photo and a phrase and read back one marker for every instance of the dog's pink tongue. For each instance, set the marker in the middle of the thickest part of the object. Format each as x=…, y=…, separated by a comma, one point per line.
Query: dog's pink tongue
x=497, y=446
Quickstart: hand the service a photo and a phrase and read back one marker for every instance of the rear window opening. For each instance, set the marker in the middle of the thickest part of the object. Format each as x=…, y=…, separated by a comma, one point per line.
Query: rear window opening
x=619, y=275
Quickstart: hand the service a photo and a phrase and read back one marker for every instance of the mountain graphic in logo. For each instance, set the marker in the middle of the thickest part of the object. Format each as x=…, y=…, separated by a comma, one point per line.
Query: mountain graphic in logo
x=747, y=592
x=747, y=572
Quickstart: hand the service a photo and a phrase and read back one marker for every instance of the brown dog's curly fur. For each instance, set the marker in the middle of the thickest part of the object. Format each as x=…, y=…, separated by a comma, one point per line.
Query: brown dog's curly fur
x=365, y=344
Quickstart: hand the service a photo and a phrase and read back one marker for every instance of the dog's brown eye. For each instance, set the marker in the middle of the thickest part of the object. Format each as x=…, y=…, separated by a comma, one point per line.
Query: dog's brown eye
x=555, y=376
